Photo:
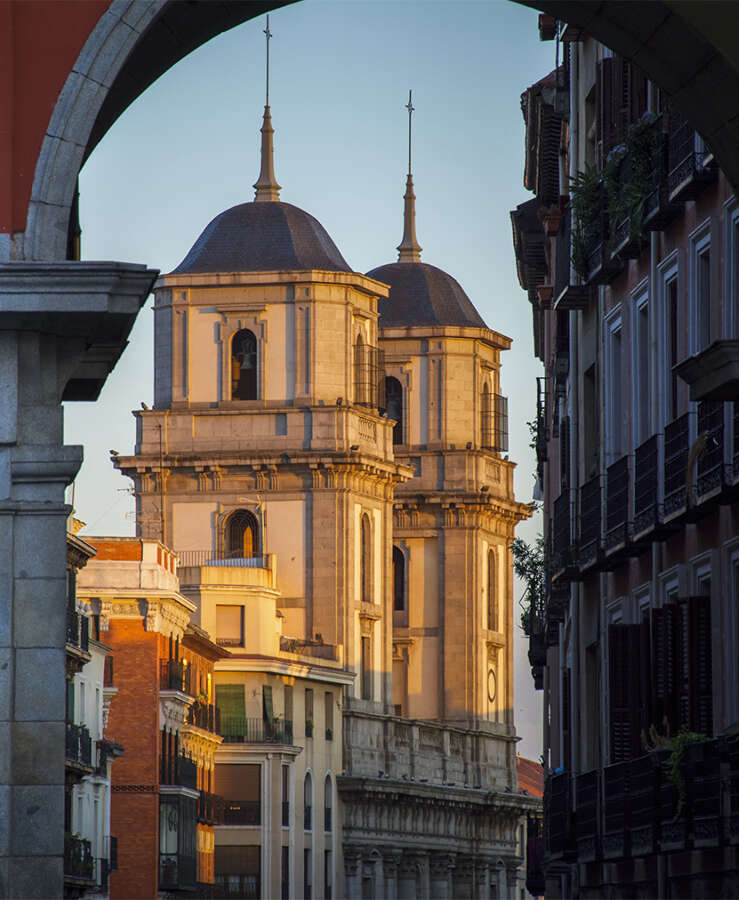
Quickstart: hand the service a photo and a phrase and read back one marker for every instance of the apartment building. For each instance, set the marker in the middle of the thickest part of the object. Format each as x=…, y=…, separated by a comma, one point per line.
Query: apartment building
x=629, y=253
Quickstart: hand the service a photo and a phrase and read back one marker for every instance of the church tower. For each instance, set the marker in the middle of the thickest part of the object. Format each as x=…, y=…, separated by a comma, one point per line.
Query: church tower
x=454, y=520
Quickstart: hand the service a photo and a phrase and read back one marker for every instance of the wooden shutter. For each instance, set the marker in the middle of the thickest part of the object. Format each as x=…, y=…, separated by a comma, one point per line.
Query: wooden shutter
x=645, y=683
x=564, y=453
x=625, y=690
x=701, y=654
x=566, y=707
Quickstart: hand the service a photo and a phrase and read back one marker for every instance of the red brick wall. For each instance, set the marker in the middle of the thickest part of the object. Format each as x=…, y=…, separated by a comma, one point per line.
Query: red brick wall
x=134, y=723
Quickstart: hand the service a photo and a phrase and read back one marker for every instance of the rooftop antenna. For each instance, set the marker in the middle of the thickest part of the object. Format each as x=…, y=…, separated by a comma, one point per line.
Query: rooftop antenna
x=267, y=188
x=409, y=249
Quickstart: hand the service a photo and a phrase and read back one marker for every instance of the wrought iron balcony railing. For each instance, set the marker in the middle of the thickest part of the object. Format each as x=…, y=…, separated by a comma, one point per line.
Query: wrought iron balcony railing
x=688, y=157
x=78, y=630
x=710, y=467
x=590, y=523
x=179, y=770
x=78, y=745
x=242, y=812
x=587, y=789
x=79, y=863
x=562, y=535
x=174, y=675
x=617, y=505
x=646, y=487
x=211, y=808
x=677, y=448
x=205, y=716
x=243, y=730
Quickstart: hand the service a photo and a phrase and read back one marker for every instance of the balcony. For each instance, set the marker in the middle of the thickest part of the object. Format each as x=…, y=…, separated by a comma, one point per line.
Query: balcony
x=78, y=630
x=242, y=730
x=602, y=267
x=710, y=467
x=179, y=771
x=615, y=840
x=659, y=211
x=204, y=716
x=617, y=535
x=590, y=524
x=646, y=487
x=627, y=238
x=563, y=549
x=557, y=816
x=208, y=567
x=174, y=675
x=176, y=871
x=586, y=821
x=78, y=747
x=689, y=172
x=242, y=812
x=79, y=863
x=211, y=808
x=677, y=448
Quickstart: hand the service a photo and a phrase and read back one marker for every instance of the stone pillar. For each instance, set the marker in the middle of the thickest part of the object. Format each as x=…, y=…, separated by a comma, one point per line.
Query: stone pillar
x=390, y=862
x=440, y=882
x=463, y=870
x=408, y=877
x=62, y=328
x=352, y=873
x=482, y=881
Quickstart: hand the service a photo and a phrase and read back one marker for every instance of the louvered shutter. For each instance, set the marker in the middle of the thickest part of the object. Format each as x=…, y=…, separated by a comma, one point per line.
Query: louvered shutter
x=644, y=713
x=684, y=683
x=564, y=453
x=700, y=633
x=566, y=713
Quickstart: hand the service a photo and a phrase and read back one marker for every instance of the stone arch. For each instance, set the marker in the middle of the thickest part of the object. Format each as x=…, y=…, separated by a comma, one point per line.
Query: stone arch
x=129, y=48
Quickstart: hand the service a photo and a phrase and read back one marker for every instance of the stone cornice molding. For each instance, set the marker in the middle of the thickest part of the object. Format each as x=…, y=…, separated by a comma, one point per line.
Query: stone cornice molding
x=293, y=668
x=279, y=277
x=161, y=612
x=415, y=332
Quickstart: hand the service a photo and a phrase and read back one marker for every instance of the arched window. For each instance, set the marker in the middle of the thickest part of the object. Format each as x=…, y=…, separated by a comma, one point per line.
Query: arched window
x=492, y=593
x=394, y=402
x=242, y=535
x=308, y=803
x=398, y=580
x=487, y=417
x=327, y=804
x=244, y=366
x=366, y=558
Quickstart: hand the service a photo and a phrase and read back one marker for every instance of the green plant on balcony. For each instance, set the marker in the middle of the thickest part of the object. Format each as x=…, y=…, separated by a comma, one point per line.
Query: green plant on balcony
x=587, y=203
x=529, y=564
x=674, y=765
x=627, y=179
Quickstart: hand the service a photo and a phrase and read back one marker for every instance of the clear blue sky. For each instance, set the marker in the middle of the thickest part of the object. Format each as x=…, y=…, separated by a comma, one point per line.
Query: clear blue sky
x=340, y=74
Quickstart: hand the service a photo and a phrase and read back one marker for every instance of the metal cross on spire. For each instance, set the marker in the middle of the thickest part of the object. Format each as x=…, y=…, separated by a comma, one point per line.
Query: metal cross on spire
x=410, y=107
x=409, y=248
x=268, y=35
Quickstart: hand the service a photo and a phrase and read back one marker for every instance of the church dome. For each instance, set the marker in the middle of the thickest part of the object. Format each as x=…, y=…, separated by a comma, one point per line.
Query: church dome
x=421, y=294
x=259, y=237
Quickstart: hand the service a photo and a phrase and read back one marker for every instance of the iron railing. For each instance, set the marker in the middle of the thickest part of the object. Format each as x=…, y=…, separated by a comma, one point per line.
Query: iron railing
x=617, y=505
x=179, y=770
x=242, y=812
x=78, y=630
x=176, y=870
x=586, y=795
x=205, y=716
x=710, y=469
x=174, y=675
x=221, y=558
x=687, y=157
x=243, y=730
x=590, y=522
x=79, y=862
x=646, y=484
x=677, y=448
x=369, y=376
x=211, y=808
x=78, y=744
x=562, y=534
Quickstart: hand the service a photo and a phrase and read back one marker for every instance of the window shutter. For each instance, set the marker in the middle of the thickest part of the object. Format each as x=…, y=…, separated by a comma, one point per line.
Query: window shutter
x=625, y=691
x=645, y=716
x=683, y=686
x=699, y=649
x=267, y=708
x=566, y=712
x=564, y=453
x=501, y=423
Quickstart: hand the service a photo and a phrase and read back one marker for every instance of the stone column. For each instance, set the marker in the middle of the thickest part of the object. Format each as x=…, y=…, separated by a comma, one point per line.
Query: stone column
x=352, y=873
x=440, y=885
x=62, y=328
x=408, y=877
x=463, y=878
x=390, y=862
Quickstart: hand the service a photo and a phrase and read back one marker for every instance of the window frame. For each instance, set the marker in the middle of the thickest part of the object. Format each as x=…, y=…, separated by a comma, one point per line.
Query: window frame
x=613, y=328
x=641, y=418
x=701, y=240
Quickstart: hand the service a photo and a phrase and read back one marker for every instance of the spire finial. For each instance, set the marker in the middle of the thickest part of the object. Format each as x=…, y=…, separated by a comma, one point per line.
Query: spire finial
x=409, y=250
x=266, y=185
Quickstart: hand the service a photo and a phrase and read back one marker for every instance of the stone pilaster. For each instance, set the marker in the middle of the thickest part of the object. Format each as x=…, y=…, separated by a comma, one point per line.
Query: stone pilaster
x=441, y=866
x=352, y=873
x=62, y=328
x=390, y=862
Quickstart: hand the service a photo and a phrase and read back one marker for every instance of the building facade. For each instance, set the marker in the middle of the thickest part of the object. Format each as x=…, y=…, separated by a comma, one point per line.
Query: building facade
x=629, y=254
x=331, y=474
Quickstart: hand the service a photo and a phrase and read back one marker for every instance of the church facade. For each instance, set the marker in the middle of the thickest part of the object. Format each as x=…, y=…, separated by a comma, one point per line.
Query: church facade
x=326, y=455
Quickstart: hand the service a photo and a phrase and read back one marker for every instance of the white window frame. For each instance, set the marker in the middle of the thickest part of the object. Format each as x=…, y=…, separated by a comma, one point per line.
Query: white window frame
x=672, y=268
x=731, y=268
x=701, y=239
x=613, y=326
x=640, y=430
x=642, y=600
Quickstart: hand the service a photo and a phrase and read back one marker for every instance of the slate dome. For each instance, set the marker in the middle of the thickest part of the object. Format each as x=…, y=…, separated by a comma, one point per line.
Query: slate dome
x=421, y=294
x=259, y=237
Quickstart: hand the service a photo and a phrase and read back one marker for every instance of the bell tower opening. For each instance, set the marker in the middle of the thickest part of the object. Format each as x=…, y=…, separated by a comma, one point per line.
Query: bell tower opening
x=244, y=366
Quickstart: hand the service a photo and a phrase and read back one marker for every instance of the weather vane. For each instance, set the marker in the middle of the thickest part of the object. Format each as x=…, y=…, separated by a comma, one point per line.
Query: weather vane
x=268, y=34
x=410, y=107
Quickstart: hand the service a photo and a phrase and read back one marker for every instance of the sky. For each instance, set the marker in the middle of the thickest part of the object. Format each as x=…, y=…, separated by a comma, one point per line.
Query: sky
x=340, y=72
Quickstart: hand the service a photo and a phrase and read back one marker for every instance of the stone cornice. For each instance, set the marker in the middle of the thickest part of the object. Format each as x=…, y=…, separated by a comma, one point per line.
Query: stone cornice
x=417, y=332
x=294, y=668
x=279, y=277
